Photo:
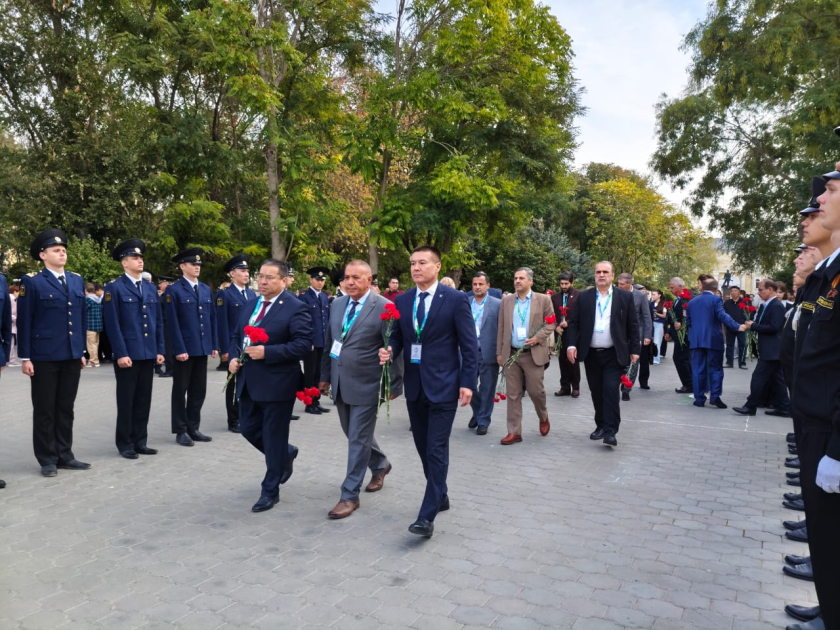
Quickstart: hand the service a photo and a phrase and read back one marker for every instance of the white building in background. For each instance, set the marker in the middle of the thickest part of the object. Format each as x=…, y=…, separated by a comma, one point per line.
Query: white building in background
x=724, y=264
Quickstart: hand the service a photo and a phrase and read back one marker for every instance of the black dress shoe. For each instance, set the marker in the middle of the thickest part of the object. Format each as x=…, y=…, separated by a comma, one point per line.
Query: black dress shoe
x=791, y=438
x=799, y=535
x=791, y=458
x=198, y=436
x=743, y=367
x=290, y=466
x=49, y=470
x=644, y=386
x=683, y=390
x=184, y=440
x=718, y=403
x=625, y=396
x=609, y=439
x=792, y=475
x=145, y=450
x=799, y=506
x=165, y=375
x=482, y=430
x=791, y=525
x=792, y=449
x=697, y=403
x=422, y=527
x=777, y=413
x=803, y=613
x=130, y=454
x=727, y=365
x=597, y=434
x=313, y=410
x=814, y=624
x=795, y=561
x=320, y=407
x=794, y=463
x=444, y=503
x=294, y=417
x=803, y=571
x=2, y=484
x=794, y=482
x=744, y=411
x=73, y=464
x=792, y=496
x=234, y=428
x=473, y=423
x=265, y=503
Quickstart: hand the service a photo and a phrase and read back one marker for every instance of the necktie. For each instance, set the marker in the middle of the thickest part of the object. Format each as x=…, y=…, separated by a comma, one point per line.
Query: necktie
x=243, y=294
x=139, y=286
x=63, y=283
x=263, y=309
x=352, y=312
x=195, y=288
x=421, y=309
x=760, y=313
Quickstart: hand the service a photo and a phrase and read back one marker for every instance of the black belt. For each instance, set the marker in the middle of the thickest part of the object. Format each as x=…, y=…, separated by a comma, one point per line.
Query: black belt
x=602, y=349
x=523, y=349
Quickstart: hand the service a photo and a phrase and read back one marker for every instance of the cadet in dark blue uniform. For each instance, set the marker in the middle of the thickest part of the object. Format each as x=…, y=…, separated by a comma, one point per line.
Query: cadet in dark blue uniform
x=319, y=310
x=132, y=316
x=229, y=305
x=5, y=330
x=51, y=346
x=191, y=325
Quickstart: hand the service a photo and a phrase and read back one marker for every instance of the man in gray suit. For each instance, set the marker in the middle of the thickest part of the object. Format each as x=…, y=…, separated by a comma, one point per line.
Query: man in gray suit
x=640, y=301
x=351, y=366
x=485, y=312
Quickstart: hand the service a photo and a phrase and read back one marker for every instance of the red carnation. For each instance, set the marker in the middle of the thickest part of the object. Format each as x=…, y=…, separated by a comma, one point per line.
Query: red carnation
x=751, y=308
x=312, y=391
x=744, y=306
x=307, y=400
x=564, y=311
x=495, y=400
x=685, y=294
x=550, y=319
x=668, y=305
x=549, y=292
x=255, y=334
x=502, y=396
x=625, y=380
x=300, y=396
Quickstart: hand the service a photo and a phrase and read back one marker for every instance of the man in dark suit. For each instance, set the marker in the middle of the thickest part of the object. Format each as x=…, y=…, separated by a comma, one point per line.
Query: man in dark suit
x=319, y=310
x=191, y=325
x=705, y=316
x=437, y=331
x=643, y=314
x=768, y=323
x=682, y=354
x=268, y=381
x=565, y=299
x=133, y=319
x=732, y=307
x=485, y=312
x=604, y=333
x=229, y=306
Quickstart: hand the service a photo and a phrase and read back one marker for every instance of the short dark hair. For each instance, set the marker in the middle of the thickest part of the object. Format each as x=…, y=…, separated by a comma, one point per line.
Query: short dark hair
x=734, y=286
x=770, y=284
x=281, y=267
x=393, y=278
x=481, y=274
x=428, y=248
x=703, y=277
x=89, y=288
x=709, y=283
x=567, y=275
x=97, y=286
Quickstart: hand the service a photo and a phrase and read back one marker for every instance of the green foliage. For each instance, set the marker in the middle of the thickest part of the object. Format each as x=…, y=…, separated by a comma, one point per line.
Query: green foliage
x=92, y=260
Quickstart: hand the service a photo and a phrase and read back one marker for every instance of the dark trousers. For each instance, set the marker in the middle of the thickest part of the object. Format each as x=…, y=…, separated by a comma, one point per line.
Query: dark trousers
x=768, y=376
x=482, y=401
x=54, y=387
x=603, y=373
x=731, y=337
x=231, y=405
x=431, y=425
x=189, y=380
x=312, y=369
x=707, y=369
x=569, y=372
x=823, y=513
x=682, y=361
x=640, y=368
x=134, y=400
x=266, y=426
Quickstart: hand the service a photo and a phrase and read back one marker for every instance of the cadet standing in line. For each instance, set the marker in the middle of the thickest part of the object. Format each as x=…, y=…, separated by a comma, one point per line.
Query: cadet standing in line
x=319, y=310
x=132, y=316
x=191, y=324
x=5, y=330
x=229, y=305
x=51, y=342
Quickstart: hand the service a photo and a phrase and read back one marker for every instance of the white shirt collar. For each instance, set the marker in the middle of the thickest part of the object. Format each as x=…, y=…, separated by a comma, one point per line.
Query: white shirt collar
x=238, y=288
x=57, y=274
x=833, y=256
x=317, y=292
x=361, y=300
x=526, y=298
x=431, y=290
x=768, y=301
x=133, y=281
x=191, y=283
x=598, y=292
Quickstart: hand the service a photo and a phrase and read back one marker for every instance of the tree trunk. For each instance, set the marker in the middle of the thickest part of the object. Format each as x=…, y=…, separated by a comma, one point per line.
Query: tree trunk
x=278, y=248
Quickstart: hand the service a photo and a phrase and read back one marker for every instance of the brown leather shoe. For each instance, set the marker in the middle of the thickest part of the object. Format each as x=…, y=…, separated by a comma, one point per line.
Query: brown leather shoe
x=377, y=481
x=510, y=438
x=562, y=392
x=545, y=427
x=575, y=393
x=343, y=509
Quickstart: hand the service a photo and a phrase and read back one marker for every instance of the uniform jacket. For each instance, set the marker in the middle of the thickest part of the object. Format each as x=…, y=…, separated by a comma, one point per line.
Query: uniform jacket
x=449, y=355
x=319, y=311
x=229, y=308
x=705, y=314
x=277, y=377
x=134, y=322
x=624, y=325
x=540, y=309
x=772, y=320
x=190, y=320
x=5, y=321
x=356, y=371
x=51, y=322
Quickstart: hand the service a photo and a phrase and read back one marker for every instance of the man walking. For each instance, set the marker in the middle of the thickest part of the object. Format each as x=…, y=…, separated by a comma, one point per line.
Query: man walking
x=319, y=311
x=485, y=313
x=563, y=301
x=51, y=317
x=768, y=323
x=732, y=307
x=352, y=368
x=133, y=319
x=437, y=331
x=520, y=315
x=642, y=306
x=604, y=334
x=191, y=325
x=682, y=355
x=267, y=382
x=705, y=317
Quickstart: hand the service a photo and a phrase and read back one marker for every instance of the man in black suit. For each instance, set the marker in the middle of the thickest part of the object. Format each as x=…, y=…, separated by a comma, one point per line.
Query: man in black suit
x=603, y=332
x=682, y=351
x=768, y=323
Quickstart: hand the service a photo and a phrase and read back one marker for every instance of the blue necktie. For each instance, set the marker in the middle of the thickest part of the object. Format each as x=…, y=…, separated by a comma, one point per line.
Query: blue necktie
x=352, y=312
x=421, y=309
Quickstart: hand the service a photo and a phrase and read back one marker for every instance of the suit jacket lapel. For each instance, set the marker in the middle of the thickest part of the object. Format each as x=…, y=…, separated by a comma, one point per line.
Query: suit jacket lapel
x=536, y=317
x=367, y=308
x=54, y=281
x=433, y=310
x=131, y=285
x=275, y=308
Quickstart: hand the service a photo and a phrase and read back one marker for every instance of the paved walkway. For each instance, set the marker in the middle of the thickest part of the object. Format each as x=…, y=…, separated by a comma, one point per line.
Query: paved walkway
x=679, y=527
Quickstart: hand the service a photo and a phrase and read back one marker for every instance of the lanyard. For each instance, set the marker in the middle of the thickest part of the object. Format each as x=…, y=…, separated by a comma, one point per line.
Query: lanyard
x=477, y=312
x=256, y=312
x=419, y=329
x=603, y=310
x=565, y=296
x=519, y=312
x=347, y=325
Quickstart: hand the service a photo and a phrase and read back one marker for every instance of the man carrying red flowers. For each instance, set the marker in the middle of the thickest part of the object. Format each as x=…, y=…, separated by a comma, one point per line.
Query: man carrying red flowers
x=523, y=330
x=269, y=377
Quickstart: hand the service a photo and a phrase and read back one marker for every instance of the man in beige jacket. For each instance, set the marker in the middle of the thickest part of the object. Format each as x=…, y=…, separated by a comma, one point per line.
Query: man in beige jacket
x=520, y=316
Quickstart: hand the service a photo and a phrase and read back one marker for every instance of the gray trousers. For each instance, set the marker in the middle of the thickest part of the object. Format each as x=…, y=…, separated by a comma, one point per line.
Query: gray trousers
x=358, y=423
